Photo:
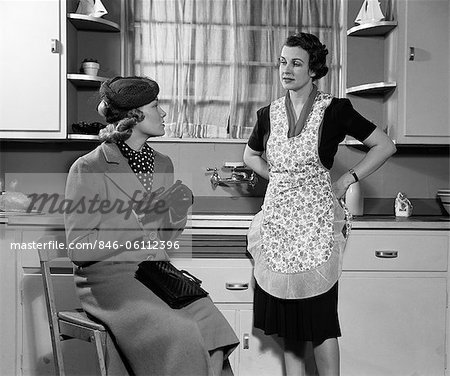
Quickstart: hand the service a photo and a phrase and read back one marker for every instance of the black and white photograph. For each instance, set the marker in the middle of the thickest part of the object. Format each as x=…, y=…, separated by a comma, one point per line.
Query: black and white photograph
x=224, y=187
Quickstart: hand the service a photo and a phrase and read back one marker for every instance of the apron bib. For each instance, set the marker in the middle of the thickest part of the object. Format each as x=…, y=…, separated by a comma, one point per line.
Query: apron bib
x=298, y=238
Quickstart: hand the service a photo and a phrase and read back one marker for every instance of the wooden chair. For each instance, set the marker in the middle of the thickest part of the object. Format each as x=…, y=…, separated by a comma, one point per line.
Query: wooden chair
x=66, y=325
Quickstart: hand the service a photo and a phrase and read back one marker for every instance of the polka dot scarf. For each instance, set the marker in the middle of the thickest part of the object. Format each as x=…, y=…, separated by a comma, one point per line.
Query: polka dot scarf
x=141, y=162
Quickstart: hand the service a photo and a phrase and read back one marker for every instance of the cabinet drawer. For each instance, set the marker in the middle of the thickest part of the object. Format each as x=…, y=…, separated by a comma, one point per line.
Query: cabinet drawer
x=226, y=280
x=397, y=250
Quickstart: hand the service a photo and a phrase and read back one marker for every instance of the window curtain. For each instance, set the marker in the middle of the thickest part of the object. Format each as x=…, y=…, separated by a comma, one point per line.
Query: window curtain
x=216, y=60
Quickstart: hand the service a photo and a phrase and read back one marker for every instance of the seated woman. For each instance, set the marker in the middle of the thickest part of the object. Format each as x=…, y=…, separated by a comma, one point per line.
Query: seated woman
x=104, y=227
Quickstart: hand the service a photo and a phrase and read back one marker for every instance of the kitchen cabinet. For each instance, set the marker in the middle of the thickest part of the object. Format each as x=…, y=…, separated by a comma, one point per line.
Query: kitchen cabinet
x=229, y=283
x=393, y=303
x=9, y=296
x=40, y=73
x=397, y=71
x=27, y=336
x=423, y=66
x=392, y=306
x=392, y=325
x=102, y=39
x=32, y=93
x=370, y=83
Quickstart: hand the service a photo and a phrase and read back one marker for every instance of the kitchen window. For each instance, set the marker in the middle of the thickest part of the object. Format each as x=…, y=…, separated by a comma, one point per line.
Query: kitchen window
x=216, y=60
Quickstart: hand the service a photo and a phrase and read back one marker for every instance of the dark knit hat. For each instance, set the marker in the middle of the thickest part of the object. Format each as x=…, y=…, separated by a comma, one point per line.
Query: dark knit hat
x=129, y=92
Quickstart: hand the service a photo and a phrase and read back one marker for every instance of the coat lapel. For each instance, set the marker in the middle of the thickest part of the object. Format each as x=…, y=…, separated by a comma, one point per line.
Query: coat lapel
x=120, y=173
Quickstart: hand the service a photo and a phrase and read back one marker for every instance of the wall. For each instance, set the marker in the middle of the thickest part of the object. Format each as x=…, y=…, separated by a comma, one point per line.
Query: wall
x=418, y=172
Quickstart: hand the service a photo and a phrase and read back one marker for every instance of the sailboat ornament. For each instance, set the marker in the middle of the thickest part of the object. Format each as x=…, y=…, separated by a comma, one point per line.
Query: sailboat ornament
x=369, y=12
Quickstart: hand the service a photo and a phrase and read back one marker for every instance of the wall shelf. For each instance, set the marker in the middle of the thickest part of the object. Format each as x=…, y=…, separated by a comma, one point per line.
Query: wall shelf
x=89, y=23
x=85, y=80
x=200, y=140
x=90, y=137
x=372, y=88
x=83, y=137
x=372, y=29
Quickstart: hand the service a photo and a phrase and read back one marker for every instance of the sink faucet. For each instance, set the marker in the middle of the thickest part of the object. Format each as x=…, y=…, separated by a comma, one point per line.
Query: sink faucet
x=239, y=175
x=215, y=178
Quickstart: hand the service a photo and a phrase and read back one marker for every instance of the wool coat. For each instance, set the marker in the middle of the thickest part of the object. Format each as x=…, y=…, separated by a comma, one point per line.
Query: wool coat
x=147, y=337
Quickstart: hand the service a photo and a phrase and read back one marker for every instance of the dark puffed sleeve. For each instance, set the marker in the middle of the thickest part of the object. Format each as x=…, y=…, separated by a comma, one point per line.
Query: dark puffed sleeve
x=353, y=123
x=260, y=134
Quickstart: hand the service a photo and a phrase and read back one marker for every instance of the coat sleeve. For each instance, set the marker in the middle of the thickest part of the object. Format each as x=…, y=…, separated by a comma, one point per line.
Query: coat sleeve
x=170, y=229
x=91, y=235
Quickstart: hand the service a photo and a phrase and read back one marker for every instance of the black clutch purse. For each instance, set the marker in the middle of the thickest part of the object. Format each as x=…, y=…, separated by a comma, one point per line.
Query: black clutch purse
x=178, y=288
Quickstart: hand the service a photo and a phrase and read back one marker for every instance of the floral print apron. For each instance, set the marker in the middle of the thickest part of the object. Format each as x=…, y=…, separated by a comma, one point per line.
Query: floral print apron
x=297, y=239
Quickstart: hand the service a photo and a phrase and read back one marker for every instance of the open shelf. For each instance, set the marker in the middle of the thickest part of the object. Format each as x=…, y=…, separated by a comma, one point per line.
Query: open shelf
x=89, y=23
x=90, y=137
x=85, y=80
x=372, y=88
x=84, y=137
x=372, y=29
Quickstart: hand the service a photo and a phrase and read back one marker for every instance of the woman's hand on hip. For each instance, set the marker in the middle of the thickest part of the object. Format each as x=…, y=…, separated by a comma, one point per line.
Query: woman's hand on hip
x=341, y=185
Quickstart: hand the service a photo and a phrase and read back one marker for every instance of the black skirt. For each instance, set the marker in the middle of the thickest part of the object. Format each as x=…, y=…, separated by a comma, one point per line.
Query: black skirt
x=312, y=319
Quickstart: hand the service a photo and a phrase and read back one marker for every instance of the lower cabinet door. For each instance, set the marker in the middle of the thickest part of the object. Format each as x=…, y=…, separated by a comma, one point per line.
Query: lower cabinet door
x=392, y=326
x=37, y=354
x=259, y=354
x=230, y=315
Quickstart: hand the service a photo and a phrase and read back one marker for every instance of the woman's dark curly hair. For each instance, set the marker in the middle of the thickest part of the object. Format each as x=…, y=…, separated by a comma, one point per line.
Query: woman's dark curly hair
x=316, y=50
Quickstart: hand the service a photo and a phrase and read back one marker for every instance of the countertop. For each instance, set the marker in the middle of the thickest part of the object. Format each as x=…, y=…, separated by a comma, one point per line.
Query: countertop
x=233, y=215
x=212, y=223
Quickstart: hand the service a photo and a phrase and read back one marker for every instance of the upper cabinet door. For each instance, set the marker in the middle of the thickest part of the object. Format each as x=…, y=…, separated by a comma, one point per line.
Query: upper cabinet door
x=31, y=89
x=424, y=72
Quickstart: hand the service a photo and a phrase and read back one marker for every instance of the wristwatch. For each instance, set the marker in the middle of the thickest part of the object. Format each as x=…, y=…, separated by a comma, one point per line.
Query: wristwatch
x=353, y=173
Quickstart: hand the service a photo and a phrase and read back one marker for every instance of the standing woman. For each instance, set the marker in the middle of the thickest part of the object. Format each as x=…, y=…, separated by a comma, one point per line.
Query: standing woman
x=109, y=237
x=298, y=238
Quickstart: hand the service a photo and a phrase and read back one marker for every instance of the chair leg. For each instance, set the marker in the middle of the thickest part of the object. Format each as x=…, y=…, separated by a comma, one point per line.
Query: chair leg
x=100, y=345
x=57, y=354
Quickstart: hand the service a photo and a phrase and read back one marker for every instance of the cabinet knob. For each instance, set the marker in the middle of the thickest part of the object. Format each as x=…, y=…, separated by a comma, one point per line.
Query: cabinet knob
x=412, y=53
x=386, y=254
x=236, y=286
x=245, y=341
x=54, y=46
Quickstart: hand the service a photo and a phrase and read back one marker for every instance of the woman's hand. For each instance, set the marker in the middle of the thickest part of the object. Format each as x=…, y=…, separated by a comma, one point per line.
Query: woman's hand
x=341, y=185
x=381, y=148
x=177, y=199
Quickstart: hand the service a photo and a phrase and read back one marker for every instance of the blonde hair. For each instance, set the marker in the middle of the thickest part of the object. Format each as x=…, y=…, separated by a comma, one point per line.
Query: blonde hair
x=122, y=129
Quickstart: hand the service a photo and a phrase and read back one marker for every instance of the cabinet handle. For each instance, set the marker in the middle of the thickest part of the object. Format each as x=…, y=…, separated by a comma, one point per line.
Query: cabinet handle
x=236, y=286
x=54, y=46
x=412, y=53
x=245, y=340
x=386, y=254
